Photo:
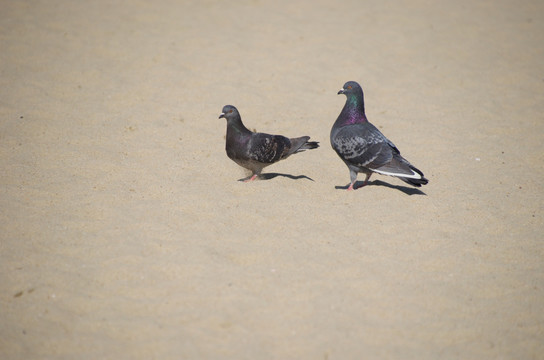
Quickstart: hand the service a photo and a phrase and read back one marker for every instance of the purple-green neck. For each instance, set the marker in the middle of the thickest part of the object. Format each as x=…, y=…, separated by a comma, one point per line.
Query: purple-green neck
x=235, y=126
x=353, y=111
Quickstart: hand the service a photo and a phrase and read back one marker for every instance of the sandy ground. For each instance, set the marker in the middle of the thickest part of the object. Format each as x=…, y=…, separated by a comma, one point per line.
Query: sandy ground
x=126, y=235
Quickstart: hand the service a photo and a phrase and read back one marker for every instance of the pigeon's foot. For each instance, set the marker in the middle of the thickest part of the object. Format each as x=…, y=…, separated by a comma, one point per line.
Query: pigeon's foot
x=353, y=186
x=251, y=178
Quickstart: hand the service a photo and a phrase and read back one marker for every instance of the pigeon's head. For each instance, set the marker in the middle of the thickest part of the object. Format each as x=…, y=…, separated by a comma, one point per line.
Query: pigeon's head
x=351, y=87
x=229, y=112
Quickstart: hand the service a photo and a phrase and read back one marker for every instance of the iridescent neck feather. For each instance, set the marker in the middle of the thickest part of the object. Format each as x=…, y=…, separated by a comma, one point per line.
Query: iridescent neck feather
x=354, y=110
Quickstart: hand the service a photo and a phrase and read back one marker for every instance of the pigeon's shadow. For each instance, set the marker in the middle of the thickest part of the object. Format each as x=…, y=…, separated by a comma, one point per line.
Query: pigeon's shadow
x=405, y=189
x=270, y=176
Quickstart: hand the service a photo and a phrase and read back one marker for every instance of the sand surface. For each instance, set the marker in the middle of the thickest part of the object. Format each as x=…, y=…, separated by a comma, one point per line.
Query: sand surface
x=126, y=235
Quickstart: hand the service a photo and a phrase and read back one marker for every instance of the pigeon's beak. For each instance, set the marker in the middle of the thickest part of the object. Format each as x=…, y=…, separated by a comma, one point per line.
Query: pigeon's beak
x=340, y=92
x=222, y=115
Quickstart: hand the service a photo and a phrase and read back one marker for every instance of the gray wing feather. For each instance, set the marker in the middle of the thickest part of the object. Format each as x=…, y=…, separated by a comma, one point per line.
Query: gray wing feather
x=363, y=145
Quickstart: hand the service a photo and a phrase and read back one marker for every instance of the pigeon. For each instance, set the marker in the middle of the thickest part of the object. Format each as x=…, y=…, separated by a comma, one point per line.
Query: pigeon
x=363, y=147
x=254, y=151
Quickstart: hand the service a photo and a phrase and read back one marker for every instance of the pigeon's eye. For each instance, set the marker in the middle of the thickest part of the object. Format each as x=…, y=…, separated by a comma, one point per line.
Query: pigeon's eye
x=230, y=111
x=349, y=87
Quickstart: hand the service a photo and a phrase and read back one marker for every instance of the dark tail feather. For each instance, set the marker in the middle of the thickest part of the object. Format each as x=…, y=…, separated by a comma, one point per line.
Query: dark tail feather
x=415, y=182
x=301, y=144
x=310, y=145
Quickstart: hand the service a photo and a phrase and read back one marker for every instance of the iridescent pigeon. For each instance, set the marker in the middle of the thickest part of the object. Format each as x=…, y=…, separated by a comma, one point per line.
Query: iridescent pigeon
x=254, y=151
x=363, y=147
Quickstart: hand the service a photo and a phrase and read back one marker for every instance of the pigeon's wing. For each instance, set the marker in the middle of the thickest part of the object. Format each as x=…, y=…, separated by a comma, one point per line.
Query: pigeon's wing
x=268, y=148
x=395, y=165
x=362, y=145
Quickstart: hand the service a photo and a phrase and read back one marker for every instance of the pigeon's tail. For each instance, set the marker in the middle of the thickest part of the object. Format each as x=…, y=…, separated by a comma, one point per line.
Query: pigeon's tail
x=415, y=182
x=399, y=167
x=309, y=145
x=301, y=144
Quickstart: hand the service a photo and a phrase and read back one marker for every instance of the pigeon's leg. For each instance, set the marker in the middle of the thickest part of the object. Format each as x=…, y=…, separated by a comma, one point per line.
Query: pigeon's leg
x=353, y=178
x=366, y=179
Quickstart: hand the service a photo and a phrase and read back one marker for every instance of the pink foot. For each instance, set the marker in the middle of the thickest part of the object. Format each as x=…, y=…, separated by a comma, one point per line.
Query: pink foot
x=252, y=178
x=352, y=186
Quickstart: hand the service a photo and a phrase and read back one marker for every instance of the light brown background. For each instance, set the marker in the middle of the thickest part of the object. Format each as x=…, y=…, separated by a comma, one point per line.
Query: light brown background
x=125, y=234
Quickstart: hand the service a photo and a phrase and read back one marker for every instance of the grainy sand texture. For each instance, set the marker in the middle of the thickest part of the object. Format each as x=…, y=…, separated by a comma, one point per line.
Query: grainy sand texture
x=126, y=235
